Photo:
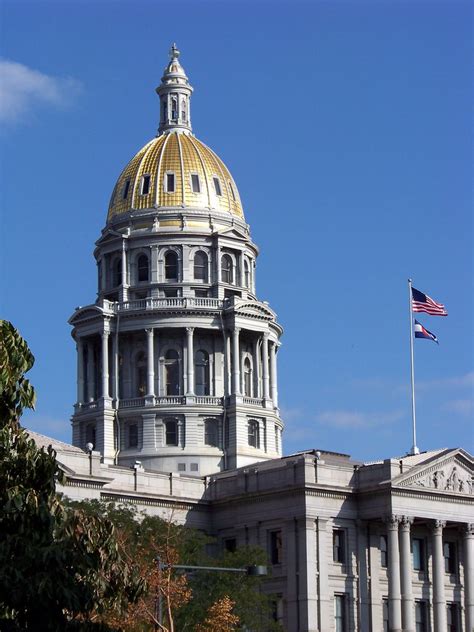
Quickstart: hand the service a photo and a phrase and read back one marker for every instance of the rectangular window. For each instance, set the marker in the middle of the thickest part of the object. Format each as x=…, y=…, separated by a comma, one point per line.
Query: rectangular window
x=181, y=467
x=340, y=618
x=200, y=293
x=194, y=467
x=385, y=621
x=195, y=183
x=146, y=184
x=383, y=551
x=232, y=190
x=277, y=439
x=421, y=616
x=452, y=617
x=217, y=186
x=171, y=433
x=338, y=546
x=133, y=436
x=171, y=293
x=170, y=183
x=126, y=188
x=418, y=553
x=276, y=547
x=277, y=609
x=449, y=550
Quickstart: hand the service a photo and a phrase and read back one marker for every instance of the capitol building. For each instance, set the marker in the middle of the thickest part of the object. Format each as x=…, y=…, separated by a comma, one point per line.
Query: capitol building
x=177, y=411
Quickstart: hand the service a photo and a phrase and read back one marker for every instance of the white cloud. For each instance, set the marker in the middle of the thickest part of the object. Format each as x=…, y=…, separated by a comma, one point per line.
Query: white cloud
x=353, y=419
x=22, y=89
x=458, y=381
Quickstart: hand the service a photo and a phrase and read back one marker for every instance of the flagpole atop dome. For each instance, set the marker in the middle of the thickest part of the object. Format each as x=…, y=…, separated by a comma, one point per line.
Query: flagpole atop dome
x=175, y=96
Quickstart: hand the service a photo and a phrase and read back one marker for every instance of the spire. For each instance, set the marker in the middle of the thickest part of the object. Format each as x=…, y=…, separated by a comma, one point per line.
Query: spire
x=175, y=96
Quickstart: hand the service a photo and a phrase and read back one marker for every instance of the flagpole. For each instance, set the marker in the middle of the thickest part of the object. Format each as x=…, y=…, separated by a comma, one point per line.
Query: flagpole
x=414, y=449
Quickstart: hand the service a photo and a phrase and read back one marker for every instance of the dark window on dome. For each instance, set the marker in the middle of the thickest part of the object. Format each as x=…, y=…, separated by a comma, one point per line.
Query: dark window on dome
x=146, y=184
x=172, y=372
x=200, y=266
x=117, y=272
x=171, y=265
x=227, y=268
x=170, y=183
x=195, y=183
x=217, y=186
x=253, y=434
x=246, y=273
x=202, y=372
x=174, y=109
x=211, y=436
x=171, y=432
x=232, y=190
x=247, y=378
x=133, y=436
x=142, y=266
x=126, y=188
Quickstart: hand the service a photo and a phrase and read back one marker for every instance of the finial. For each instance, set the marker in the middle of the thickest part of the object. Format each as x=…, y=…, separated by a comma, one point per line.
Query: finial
x=174, y=52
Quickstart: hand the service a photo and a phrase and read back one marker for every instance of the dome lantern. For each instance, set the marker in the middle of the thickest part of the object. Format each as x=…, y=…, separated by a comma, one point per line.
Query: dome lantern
x=175, y=97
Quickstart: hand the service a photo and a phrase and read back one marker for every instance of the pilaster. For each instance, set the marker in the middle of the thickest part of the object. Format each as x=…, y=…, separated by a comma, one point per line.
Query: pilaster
x=439, y=597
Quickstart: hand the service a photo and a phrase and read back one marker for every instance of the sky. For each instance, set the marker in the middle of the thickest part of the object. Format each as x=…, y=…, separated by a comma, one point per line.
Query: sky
x=347, y=126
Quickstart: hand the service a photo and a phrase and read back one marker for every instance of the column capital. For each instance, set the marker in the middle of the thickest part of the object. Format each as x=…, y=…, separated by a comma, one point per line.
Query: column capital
x=266, y=334
x=392, y=522
x=105, y=331
x=406, y=522
x=437, y=526
x=468, y=530
x=190, y=330
x=149, y=330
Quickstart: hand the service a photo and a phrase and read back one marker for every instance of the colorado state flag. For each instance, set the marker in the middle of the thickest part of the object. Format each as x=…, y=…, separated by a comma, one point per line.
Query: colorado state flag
x=421, y=332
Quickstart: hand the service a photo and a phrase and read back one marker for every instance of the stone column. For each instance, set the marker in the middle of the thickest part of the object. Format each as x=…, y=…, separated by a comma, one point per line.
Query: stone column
x=190, y=354
x=124, y=273
x=114, y=367
x=90, y=372
x=394, y=604
x=105, y=364
x=80, y=371
x=218, y=264
x=439, y=597
x=266, y=379
x=324, y=550
x=308, y=593
x=241, y=269
x=235, y=361
x=273, y=374
x=469, y=575
x=408, y=614
x=150, y=364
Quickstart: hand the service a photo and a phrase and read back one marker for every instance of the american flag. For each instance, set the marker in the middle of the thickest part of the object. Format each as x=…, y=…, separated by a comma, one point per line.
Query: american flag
x=422, y=303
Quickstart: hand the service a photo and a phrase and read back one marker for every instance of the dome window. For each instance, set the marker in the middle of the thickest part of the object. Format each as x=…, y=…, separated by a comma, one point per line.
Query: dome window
x=232, y=190
x=201, y=372
x=211, y=434
x=170, y=183
x=200, y=266
x=227, y=268
x=146, y=180
x=246, y=273
x=171, y=432
x=171, y=266
x=195, y=183
x=217, y=186
x=126, y=189
x=172, y=372
x=253, y=434
x=142, y=268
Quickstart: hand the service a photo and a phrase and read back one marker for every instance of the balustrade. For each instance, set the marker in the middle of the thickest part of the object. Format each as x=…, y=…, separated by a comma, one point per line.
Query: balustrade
x=180, y=302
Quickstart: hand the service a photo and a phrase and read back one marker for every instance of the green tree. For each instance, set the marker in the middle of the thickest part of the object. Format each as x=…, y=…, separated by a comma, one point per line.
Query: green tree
x=60, y=567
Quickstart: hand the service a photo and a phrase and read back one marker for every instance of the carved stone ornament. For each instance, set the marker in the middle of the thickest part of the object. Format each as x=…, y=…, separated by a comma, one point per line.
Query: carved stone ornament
x=438, y=525
x=448, y=477
x=392, y=521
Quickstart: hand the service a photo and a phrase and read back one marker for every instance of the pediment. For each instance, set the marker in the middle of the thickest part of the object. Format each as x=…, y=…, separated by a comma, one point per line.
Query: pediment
x=86, y=313
x=450, y=472
x=233, y=232
x=254, y=310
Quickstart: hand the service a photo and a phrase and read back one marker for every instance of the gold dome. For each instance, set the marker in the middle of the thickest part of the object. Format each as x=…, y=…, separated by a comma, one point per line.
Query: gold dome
x=144, y=183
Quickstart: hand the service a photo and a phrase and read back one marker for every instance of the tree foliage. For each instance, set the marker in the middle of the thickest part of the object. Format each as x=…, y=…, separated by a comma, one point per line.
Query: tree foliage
x=59, y=566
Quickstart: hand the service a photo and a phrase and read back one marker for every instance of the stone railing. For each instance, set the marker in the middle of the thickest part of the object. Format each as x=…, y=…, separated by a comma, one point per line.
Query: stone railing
x=252, y=401
x=175, y=302
x=209, y=400
x=170, y=399
x=135, y=402
x=85, y=406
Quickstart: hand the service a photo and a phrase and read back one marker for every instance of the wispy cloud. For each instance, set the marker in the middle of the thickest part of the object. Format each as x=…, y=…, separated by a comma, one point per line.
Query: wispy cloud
x=457, y=381
x=48, y=425
x=463, y=407
x=354, y=419
x=22, y=89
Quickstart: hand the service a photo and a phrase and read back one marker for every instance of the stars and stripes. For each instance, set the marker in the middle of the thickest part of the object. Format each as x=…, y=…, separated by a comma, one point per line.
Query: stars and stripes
x=422, y=332
x=422, y=303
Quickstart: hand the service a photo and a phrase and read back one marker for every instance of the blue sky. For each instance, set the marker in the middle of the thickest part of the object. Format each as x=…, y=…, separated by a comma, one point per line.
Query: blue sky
x=347, y=127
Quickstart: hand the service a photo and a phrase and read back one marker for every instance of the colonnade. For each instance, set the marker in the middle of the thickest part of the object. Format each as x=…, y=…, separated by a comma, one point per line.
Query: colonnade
x=401, y=601
x=87, y=390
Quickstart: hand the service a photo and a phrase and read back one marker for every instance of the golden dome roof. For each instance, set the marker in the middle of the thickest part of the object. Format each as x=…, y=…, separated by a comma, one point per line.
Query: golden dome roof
x=144, y=183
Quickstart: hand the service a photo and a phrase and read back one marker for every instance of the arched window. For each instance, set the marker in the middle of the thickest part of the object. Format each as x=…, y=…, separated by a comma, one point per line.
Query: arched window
x=183, y=111
x=174, y=108
x=171, y=432
x=140, y=374
x=247, y=377
x=253, y=434
x=200, y=266
x=90, y=434
x=246, y=273
x=211, y=436
x=117, y=272
x=201, y=372
x=142, y=268
x=172, y=372
x=171, y=265
x=227, y=267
